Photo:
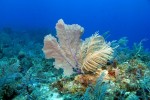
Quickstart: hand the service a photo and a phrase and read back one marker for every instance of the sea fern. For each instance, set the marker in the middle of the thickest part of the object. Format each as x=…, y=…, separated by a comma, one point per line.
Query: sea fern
x=98, y=91
x=94, y=53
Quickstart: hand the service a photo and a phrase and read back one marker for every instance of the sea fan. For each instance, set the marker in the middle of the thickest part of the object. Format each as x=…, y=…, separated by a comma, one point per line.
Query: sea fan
x=65, y=50
x=73, y=55
x=94, y=53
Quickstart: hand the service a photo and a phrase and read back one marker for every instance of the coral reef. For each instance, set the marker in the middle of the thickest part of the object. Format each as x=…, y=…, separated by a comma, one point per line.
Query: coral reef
x=121, y=74
x=125, y=75
x=23, y=69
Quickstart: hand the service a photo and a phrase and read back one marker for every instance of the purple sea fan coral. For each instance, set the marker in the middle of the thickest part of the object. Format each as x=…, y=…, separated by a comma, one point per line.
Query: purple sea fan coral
x=65, y=51
x=73, y=55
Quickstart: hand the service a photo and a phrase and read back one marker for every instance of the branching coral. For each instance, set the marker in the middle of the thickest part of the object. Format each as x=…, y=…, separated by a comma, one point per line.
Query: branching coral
x=73, y=55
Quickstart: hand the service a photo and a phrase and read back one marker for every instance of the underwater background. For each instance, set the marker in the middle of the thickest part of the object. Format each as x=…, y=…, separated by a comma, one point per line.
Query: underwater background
x=130, y=18
x=25, y=73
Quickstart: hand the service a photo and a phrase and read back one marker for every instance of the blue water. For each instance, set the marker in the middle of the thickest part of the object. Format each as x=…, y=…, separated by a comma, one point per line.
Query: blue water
x=130, y=18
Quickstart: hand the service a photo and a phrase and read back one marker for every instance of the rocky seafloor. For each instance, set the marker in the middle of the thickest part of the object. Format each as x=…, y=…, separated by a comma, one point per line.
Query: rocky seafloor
x=25, y=74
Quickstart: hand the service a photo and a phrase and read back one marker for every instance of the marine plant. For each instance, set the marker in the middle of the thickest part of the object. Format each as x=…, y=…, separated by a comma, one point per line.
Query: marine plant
x=73, y=54
x=98, y=91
